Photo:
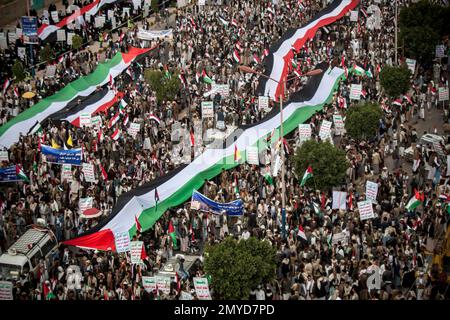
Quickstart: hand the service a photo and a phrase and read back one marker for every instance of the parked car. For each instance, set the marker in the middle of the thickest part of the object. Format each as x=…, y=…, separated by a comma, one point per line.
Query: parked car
x=24, y=255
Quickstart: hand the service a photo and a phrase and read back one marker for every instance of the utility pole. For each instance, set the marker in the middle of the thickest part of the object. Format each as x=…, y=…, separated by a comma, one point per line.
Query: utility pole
x=283, y=172
x=396, y=22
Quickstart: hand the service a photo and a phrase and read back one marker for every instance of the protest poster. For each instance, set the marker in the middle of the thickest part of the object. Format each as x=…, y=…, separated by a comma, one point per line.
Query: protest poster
x=88, y=171
x=136, y=252
x=202, y=288
x=440, y=51
x=69, y=38
x=207, y=109
x=222, y=89
x=252, y=155
x=6, y=290
x=100, y=21
x=365, y=210
x=354, y=16
x=338, y=124
x=21, y=52
x=339, y=200
x=4, y=156
x=52, y=155
x=137, y=4
x=3, y=42
x=50, y=71
x=325, y=130
x=443, y=94
x=411, y=63
x=341, y=237
x=85, y=203
x=355, y=91
x=61, y=35
x=134, y=129
x=96, y=121
x=371, y=191
x=110, y=14
x=149, y=283
x=163, y=284
x=12, y=37
x=122, y=240
x=19, y=32
x=55, y=17
x=85, y=120
x=201, y=2
x=263, y=103
x=66, y=172
x=305, y=131
x=186, y=296
x=125, y=12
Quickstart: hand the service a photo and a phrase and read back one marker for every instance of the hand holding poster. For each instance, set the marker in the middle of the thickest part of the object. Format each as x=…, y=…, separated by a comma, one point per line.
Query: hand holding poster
x=355, y=91
x=66, y=172
x=163, y=284
x=85, y=119
x=325, y=130
x=411, y=63
x=354, y=16
x=305, y=131
x=6, y=288
x=88, y=171
x=136, y=251
x=122, y=240
x=365, y=210
x=263, y=103
x=252, y=155
x=339, y=200
x=341, y=237
x=202, y=288
x=371, y=191
x=207, y=109
x=85, y=203
x=4, y=156
x=134, y=129
x=149, y=283
x=443, y=94
x=338, y=124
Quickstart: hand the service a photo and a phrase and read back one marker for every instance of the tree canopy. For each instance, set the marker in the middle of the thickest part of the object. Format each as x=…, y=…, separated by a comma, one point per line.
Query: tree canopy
x=236, y=267
x=328, y=163
x=395, y=80
x=166, y=86
x=362, y=121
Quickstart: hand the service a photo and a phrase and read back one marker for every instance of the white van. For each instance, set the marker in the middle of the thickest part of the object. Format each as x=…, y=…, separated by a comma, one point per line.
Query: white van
x=24, y=255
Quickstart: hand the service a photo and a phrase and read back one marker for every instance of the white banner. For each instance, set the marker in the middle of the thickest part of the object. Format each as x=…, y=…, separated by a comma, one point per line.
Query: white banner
x=66, y=172
x=443, y=94
x=4, y=156
x=354, y=16
x=149, y=283
x=186, y=296
x=137, y=4
x=134, y=129
x=325, y=130
x=85, y=203
x=371, y=191
x=440, y=51
x=88, y=171
x=96, y=121
x=338, y=124
x=411, y=63
x=202, y=288
x=136, y=251
x=6, y=290
x=154, y=34
x=61, y=35
x=340, y=237
x=122, y=240
x=365, y=210
x=55, y=16
x=85, y=120
x=110, y=14
x=222, y=89
x=263, y=103
x=3, y=42
x=355, y=91
x=339, y=200
x=252, y=155
x=163, y=284
x=69, y=38
x=207, y=109
x=304, y=131
x=100, y=21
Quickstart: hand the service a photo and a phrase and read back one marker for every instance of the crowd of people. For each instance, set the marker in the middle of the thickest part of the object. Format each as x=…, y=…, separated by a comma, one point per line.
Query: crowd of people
x=397, y=243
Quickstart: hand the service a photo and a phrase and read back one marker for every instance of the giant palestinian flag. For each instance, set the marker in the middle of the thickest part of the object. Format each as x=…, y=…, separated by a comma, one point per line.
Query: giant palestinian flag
x=83, y=87
x=46, y=30
x=177, y=186
x=280, y=54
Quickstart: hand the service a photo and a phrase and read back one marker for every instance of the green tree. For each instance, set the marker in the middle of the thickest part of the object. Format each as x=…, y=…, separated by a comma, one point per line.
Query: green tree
x=77, y=42
x=166, y=87
x=238, y=266
x=395, y=80
x=362, y=121
x=422, y=24
x=47, y=54
x=18, y=71
x=154, y=6
x=328, y=163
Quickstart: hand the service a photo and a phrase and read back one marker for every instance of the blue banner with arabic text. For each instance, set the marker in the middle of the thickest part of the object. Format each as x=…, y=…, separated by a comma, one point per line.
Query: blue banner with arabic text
x=71, y=156
x=200, y=202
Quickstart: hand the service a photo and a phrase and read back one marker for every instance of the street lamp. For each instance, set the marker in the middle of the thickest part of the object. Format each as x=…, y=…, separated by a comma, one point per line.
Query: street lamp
x=314, y=72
